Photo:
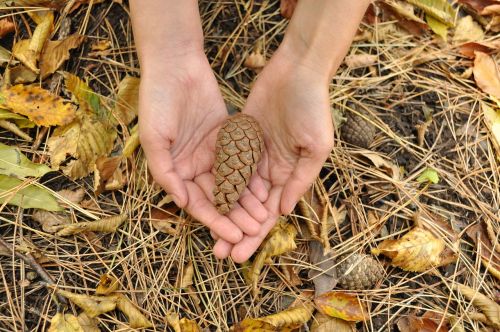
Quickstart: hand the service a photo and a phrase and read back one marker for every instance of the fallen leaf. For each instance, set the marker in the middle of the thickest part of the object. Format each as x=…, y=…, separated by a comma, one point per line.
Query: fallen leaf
x=281, y=239
x=428, y=175
x=84, y=95
x=6, y=27
x=287, y=8
x=403, y=14
x=65, y=323
x=173, y=321
x=14, y=192
x=360, y=60
x=469, y=49
x=438, y=27
x=132, y=142
x=107, y=285
x=101, y=45
x=417, y=251
x=439, y=9
x=104, y=169
x=56, y=53
x=186, y=278
x=127, y=100
x=105, y=225
x=19, y=74
x=494, y=24
x=92, y=305
x=28, y=50
x=135, y=318
x=478, y=5
x=490, y=256
x=493, y=9
x=421, y=324
x=163, y=221
x=86, y=139
x=381, y=163
x=188, y=325
x=51, y=222
x=492, y=120
x=253, y=325
x=39, y=105
x=467, y=30
x=324, y=323
x=87, y=323
x=290, y=317
x=6, y=57
x=255, y=60
x=486, y=74
x=71, y=196
x=19, y=120
x=482, y=302
x=342, y=305
x=14, y=163
x=324, y=272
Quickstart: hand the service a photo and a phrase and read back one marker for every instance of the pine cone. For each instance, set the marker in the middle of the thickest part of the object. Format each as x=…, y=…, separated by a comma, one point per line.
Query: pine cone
x=363, y=272
x=238, y=150
x=357, y=131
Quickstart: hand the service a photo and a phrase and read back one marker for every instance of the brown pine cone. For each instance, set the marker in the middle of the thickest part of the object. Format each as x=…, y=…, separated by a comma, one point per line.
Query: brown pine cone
x=358, y=271
x=357, y=131
x=238, y=149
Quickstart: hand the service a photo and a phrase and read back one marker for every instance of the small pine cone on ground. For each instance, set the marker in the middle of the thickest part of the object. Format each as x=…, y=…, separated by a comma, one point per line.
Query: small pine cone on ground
x=238, y=150
x=357, y=131
x=357, y=271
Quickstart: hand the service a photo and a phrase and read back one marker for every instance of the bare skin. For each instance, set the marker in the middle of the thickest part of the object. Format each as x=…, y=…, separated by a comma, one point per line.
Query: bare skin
x=180, y=113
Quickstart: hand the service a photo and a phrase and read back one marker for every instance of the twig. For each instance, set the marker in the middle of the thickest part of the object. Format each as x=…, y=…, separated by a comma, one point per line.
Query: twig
x=31, y=261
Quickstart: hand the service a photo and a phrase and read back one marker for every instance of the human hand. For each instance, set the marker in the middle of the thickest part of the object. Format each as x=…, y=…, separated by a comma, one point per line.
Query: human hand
x=290, y=101
x=180, y=111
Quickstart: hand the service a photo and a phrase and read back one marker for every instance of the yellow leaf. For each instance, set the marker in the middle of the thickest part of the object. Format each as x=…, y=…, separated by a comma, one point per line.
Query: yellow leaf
x=86, y=139
x=253, y=325
x=293, y=316
x=39, y=105
x=437, y=26
x=187, y=276
x=417, y=251
x=174, y=321
x=492, y=120
x=92, y=305
x=107, y=285
x=56, y=53
x=342, y=305
x=281, y=239
x=28, y=50
x=106, y=225
x=127, y=100
x=19, y=120
x=188, y=325
x=65, y=323
x=132, y=142
x=486, y=74
x=324, y=323
x=135, y=318
x=489, y=307
x=88, y=324
x=84, y=95
x=439, y=9
x=467, y=30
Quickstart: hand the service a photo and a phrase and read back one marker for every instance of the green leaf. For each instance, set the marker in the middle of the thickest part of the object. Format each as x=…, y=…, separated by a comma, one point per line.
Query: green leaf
x=429, y=175
x=14, y=163
x=18, y=119
x=31, y=196
x=441, y=10
x=439, y=28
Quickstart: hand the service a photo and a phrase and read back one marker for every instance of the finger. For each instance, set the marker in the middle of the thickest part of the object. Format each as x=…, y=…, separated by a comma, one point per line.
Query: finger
x=214, y=235
x=204, y=211
x=222, y=249
x=258, y=187
x=253, y=206
x=302, y=177
x=160, y=164
x=245, y=222
x=242, y=250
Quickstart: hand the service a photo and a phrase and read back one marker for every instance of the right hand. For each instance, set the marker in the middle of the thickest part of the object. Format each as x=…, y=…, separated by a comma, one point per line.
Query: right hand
x=180, y=112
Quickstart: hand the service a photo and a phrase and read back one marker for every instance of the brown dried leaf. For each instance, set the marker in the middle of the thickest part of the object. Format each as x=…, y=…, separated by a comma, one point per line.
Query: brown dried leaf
x=65, y=323
x=290, y=317
x=92, y=305
x=467, y=30
x=381, y=163
x=342, y=305
x=135, y=318
x=188, y=325
x=105, y=168
x=72, y=196
x=87, y=323
x=360, y=60
x=253, y=325
x=469, y=49
x=39, y=105
x=482, y=302
x=421, y=324
x=163, y=221
x=281, y=239
x=486, y=74
x=287, y=8
x=478, y=5
x=186, y=279
x=19, y=75
x=127, y=100
x=56, y=53
x=106, y=225
x=107, y=285
x=6, y=27
x=51, y=222
x=404, y=14
x=324, y=323
x=489, y=256
x=255, y=60
x=324, y=273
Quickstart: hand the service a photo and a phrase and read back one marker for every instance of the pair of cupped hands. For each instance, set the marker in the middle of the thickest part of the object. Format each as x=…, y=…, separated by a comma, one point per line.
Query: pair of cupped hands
x=181, y=110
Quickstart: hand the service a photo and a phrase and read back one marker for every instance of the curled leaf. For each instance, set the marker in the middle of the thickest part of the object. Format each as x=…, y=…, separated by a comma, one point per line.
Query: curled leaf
x=92, y=305
x=187, y=276
x=135, y=318
x=489, y=307
x=421, y=324
x=342, y=305
x=56, y=53
x=106, y=225
x=132, y=142
x=490, y=257
x=253, y=325
x=39, y=105
x=324, y=323
x=107, y=285
x=294, y=316
x=429, y=175
x=51, y=222
x=486, y=74
x=65, y=323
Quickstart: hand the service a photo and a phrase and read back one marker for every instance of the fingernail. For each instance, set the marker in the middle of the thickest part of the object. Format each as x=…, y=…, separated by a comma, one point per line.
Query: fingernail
x=175, y=199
